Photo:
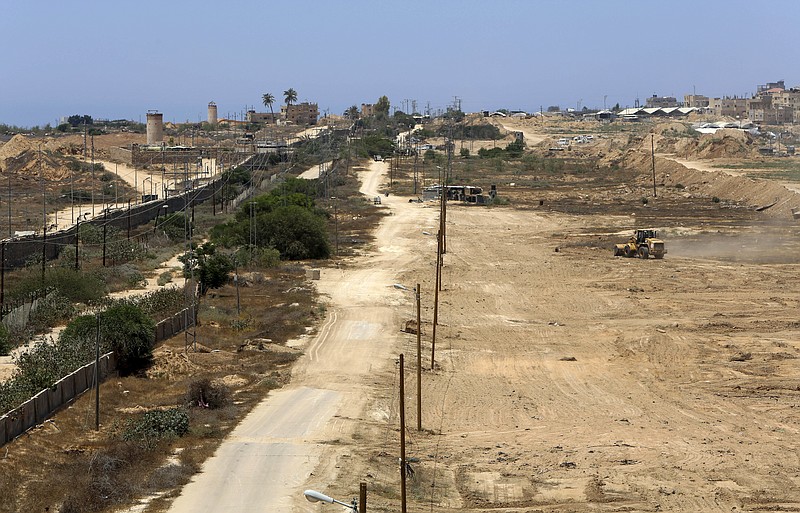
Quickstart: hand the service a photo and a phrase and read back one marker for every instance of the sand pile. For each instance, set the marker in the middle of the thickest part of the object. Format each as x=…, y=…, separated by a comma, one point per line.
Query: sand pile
x=723, y=143
x=22, y=156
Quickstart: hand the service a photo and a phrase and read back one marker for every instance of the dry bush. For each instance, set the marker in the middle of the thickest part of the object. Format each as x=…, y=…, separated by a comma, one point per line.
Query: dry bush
x=206, y=393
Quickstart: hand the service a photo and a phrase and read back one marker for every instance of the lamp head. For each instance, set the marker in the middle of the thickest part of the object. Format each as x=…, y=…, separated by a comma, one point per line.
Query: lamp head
x=315, y=496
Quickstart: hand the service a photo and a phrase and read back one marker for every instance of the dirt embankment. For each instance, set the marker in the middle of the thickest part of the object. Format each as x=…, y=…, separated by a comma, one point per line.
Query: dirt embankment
x=774, y=199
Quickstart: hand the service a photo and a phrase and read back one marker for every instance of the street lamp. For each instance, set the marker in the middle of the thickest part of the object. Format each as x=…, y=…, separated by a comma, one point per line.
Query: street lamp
x=315, y=496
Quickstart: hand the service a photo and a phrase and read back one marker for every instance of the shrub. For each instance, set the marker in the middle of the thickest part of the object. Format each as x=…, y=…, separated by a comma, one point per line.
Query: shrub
x=132, y=335
x=77, y=286
x=295, y=232
x=50, y=311
x=208, y=394
x=164, y=278
x=157, y=304
x=174, y=226
x=715, y=199
x=147, y=430
x=124, y=328
x=210, y=268
x=127, y=273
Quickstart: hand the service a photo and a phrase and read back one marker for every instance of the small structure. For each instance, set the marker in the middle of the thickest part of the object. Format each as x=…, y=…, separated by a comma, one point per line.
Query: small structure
x=155, y=127
x=212, y=113
x=466, y=193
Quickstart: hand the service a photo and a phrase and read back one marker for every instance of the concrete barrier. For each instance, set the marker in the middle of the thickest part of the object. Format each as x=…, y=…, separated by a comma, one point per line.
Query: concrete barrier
x=41, y=406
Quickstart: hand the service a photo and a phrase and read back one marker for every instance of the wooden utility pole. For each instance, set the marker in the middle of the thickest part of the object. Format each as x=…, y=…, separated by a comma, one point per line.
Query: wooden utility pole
x=105, y=226
x=77, y=237
x=2, y=275
x=44, y=215
x=402, y=439
x=362, y=497
x=419, y=361
x=436, y=298
x=97, y=377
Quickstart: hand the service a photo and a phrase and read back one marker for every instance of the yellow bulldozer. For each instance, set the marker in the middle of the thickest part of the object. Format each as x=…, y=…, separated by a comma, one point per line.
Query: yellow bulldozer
x=643, y=244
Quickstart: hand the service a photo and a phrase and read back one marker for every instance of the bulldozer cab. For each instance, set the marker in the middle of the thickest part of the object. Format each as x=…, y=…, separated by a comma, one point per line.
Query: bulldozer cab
x=642, y=235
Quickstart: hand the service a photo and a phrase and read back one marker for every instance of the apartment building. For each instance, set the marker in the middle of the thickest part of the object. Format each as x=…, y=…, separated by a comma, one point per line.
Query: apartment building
x=697, y=101
x=660, y=102
x=301, y=114
x=729, y=106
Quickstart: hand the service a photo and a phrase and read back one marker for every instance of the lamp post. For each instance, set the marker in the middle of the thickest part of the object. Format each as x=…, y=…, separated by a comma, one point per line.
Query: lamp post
x=315, y=496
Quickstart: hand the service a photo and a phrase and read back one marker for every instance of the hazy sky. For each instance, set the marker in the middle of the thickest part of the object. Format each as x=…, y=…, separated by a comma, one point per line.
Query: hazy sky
x=117, y=59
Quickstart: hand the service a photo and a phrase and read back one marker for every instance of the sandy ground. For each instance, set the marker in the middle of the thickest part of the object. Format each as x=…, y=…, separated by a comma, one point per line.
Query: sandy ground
x=531, y=136
x=313, y=172
x=565, y=380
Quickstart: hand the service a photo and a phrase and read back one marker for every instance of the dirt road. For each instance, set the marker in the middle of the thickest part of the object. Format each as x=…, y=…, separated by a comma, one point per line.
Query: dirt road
x=531, y=136
x=265, y=462
x=566, y=379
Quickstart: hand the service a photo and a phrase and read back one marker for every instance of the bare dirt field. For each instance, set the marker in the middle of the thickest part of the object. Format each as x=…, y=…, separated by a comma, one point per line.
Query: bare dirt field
x=570, y=380
x=565, y=379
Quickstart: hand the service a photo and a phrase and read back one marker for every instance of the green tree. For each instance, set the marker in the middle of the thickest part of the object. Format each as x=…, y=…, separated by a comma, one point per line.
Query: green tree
x=294, y=231
x=124, y=328
x=76, y=120
x=352, y=112
x=404, y=120
x=268, y=100
x=383, y=105
x=210, y=268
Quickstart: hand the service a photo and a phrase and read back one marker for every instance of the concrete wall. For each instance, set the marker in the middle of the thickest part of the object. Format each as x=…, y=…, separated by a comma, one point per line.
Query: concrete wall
x=41, y=406
x=37, y=409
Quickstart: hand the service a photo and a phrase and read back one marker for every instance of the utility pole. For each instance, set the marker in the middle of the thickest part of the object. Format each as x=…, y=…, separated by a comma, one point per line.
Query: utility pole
x=77, y=236
x=93, y=183
x=2, y=276
x=362, y=497
x=402, y=438
x=105, y=225
x=419, y=361
x=9, y=205
x=44, y=215
x=436, y=298
x=416, y=159
x=97, y=377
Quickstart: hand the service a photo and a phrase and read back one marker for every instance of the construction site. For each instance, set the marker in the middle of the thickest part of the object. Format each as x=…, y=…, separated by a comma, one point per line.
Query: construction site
x=563, y=377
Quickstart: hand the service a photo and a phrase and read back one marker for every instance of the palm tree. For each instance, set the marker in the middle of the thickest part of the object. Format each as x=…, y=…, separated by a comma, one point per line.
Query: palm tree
x=291, y=96
x=268, y=100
